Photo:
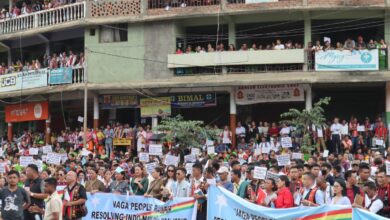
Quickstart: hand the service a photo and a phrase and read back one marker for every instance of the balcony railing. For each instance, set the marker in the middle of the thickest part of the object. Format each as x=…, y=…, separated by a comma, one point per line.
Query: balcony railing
x=155, y=4
x=44, y=18
x=78, y=74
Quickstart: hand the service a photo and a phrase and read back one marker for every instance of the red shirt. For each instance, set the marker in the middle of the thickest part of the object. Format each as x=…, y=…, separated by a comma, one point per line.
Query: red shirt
x=284, y=199
x=273, y=131
x=381, y=132
x=351, y=194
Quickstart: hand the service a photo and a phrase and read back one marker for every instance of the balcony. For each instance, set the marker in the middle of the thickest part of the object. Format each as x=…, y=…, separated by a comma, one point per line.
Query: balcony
x=43, y=18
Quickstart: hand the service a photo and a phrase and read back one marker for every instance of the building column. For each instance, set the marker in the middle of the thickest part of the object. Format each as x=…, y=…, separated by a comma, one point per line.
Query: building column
x=232, y=33
x=10, y=132
x=154, y=122
x=387, y=32
x=48, y=131
x=233, y=116
x=307, y=37
x=388, y=102
x=95, y=112
x=308, y=97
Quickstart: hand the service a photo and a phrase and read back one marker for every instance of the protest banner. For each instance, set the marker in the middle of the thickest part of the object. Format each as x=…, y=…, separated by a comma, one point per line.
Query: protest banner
x=209, y=143
x=171, y=160
x=53, y=158
x=195, y=151
x=286, y=142
x=283, y=160
x=189, y=168
x=387, y=168
x=111, y=206
x=33, y=151
x=222, y=204
x=47, y=149
x=260, y=173
x=26, y=160
x=143, y=157
x=189, y=158
x=271, y=175
x=155, y=149
x=296, y=156
x=2, y=167
x=121, y=142
x=210, y=150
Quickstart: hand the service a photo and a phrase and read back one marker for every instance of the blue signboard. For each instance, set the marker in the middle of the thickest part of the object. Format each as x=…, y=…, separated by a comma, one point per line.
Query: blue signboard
x=60, y=76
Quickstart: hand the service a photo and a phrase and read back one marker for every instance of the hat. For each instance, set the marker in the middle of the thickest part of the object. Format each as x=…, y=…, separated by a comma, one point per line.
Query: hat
x=223, y=170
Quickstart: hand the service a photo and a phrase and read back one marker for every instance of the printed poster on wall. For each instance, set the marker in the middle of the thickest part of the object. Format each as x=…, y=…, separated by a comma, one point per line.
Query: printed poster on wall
x=252, y=94
x=152, y=107
x=23, y=80
x=119, y=101
x=346, y=60
x=195, y=100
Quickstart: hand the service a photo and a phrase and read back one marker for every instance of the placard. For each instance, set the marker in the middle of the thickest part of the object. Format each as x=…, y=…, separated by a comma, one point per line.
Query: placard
x=286, y=142
x=190, y=158
x=150, y=167
x=296, y=156
x=379, y=142
x=53, y=158
x=47, y=149
x=1, y=152
x=325, y=154
x=209, y=143
x=155, y=149
x=195, y=151
x=189, y=168
x=257, y=151
x=283, y=160
x=33, y=151
x=80, y=119
x=210, y=150
x=143, y=157
x=387, y=168
x=271, y=175
x=361, y=128
x=26, y=160
x=39, y=165
x=260, y=173
x=2, y=167
x=85, y=152
x=171, y=160
x=64, y=157
x=121, y=142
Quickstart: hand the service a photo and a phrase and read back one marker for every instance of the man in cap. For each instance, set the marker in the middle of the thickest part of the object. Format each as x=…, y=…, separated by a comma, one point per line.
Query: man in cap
x=224, y=182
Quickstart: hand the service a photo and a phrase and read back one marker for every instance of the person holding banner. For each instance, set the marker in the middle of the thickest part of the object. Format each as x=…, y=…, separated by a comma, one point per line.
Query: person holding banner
x=383, y=192
x=309, y=193
x=94, y=185
x=74, y=198
x=119, y=185
x=139, y=183
x=155, y=187
x=340, y=194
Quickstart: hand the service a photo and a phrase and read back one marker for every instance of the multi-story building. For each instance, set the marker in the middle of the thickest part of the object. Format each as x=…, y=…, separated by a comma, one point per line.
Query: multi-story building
x=131, y=53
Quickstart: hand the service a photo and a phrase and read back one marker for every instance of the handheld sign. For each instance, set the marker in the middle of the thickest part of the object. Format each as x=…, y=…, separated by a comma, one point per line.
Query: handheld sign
x=33, y=151
x=210, y=150
x=209, y=143
x=360, y=128
x=143, y=157
x=25, y=161
x=171, y=160
x=47, y=149
x=271, y=175
x=296, y=156
x=326, y=153
x=286, y=142
x=155, y=149
x=2, y=167
x=387, y=168
x=283, y=160
x=150, y=167
x=53, y=158
x=189, y=168
x=189, y=158
x=195, y=151
x=260, y=173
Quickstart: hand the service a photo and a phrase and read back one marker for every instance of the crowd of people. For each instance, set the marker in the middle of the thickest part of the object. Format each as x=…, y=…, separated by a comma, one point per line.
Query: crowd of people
x=28, y=7
x=347, y=167
x=55, y=61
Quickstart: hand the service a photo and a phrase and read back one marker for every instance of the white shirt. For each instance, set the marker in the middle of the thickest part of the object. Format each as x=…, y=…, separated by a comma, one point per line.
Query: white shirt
x=279, y=47
x=336, y=129
x=285, y=131
x=182, y=189
x=275, y=146
x=265, y=147
x=344, y=129
x=240, y=131
x=375, y=206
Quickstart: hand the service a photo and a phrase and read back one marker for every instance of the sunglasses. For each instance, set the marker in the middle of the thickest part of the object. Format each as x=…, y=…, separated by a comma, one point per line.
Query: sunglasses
x=171, y=171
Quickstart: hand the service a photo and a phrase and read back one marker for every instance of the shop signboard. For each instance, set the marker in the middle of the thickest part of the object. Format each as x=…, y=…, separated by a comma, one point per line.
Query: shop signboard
x=118, y=101
x=23, y=80
x=194, y=100
x=347, y=60
x=252, y=94
x=32, y=111
x=152, y=107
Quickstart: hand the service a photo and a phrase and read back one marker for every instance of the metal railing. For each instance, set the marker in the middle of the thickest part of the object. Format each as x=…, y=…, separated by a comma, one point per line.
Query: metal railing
x=43, y=18
x=156, y=4
x=78, y=74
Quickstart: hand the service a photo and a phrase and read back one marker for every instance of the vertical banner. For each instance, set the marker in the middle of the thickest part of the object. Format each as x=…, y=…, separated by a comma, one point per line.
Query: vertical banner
x=152, y=107
x=111, y=206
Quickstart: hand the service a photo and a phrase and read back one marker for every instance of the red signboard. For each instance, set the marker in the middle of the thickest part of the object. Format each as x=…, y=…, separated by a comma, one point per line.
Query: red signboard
x=32, y=111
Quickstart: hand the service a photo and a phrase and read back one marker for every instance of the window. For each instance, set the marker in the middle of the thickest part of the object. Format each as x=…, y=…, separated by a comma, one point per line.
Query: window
x=113, y=33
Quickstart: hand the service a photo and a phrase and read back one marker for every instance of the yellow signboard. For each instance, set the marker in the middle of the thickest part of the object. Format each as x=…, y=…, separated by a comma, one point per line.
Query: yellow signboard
x=151, y=107
x=122, y=142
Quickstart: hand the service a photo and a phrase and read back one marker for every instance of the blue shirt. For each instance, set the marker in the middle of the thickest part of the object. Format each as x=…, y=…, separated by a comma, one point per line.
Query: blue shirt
x=229, y=186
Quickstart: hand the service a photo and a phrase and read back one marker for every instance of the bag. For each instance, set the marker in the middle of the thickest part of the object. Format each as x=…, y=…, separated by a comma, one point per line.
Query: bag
x=83, y=210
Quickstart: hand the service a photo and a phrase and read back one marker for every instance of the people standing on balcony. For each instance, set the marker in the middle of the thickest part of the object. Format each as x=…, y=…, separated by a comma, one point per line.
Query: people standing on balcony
x=318, y=46
x=349, y=44
x=71, y=59
x=335, y=128
x=339, y=46
x=232, y=47
x=25, y=9
x=253, y=48
x=371, y=45
x=327, y=46
x=279, y=45
x=360, y=44
x=210, y=48
x=15, y=11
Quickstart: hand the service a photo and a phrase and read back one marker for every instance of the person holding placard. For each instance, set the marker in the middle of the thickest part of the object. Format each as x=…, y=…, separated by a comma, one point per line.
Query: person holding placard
x=381, y=133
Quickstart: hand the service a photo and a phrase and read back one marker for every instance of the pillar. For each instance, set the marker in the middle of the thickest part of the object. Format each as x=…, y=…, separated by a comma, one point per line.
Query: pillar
x=47, y=48
x=154, y=122
x=9, y=57
x=307, y=36
x=232, y=33
x=388, y=102
x=48, y=132
x=387, y=31
x=308, y=98
x=95, y=112
x=10, y=132
x=233, y=116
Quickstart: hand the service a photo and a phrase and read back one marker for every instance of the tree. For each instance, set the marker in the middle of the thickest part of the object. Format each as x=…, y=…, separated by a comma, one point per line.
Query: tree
x=186, y=133
x=302, y=120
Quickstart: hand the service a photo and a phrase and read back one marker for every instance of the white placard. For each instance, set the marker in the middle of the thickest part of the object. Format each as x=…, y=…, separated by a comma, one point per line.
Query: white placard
x=143, y=157
x=327, y=39
x=33, y=151
x=283, y=160
x=189, y=168
x=209, y=143
x=64, y=157
x=361, y=128
x=212, y=181
x=47, y=149
x=155, y=149
x=195, y=151
x=2, y=167
x=53, y=158
x=190, y=158
x=25, y=161
x=271, y=175
x=150, y=167
x=260, y=173
x=80, y=119
x=257, y=151
x=1, y=152
x=373, y=170
x=296, y=156
x=379, y=142
x=171, y=160
x=210, y=150
x=85, y=152
x=325, y=154
x=286, y=142
x=387, y=168
x=39, y=165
